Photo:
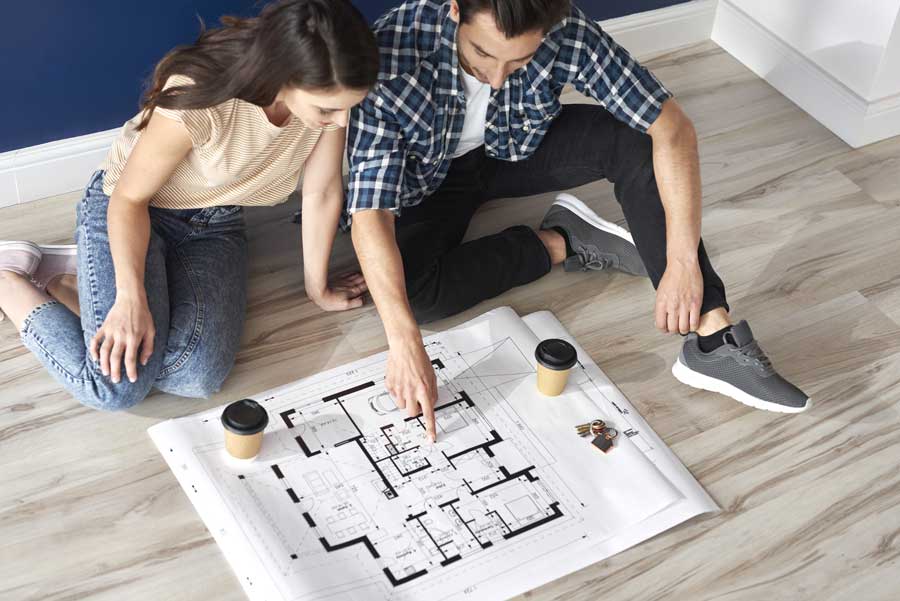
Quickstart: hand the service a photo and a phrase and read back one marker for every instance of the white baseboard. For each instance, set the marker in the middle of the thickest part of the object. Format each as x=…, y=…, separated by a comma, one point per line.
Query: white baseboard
x=53, y=168
x=842, y=110
x=66, y=165
x=648, y=33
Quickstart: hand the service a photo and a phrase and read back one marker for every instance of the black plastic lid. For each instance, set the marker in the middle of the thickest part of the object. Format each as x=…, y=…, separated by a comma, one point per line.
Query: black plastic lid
x=556, y=354
x=245, y=417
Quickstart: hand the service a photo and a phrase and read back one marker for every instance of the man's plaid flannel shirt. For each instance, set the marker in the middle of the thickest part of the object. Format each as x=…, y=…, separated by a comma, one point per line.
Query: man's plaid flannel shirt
x=402, y=136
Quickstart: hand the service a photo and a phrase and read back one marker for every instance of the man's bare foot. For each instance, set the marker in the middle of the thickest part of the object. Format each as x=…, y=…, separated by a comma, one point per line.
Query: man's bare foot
x=555, y=245
x=713, y=321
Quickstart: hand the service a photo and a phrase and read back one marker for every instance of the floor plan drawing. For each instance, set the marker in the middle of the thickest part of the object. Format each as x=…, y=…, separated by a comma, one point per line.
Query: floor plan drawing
x=459, y=498
x=348, y=499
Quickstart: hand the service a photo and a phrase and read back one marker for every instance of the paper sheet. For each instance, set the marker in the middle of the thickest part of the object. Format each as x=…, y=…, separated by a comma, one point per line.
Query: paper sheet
x=348, y=501
x=618, y=409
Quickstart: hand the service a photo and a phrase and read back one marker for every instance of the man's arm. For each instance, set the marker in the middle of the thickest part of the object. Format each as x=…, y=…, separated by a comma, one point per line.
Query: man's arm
x=410, y=376
x=631, y=93
x=677, y=166
x=377, y=153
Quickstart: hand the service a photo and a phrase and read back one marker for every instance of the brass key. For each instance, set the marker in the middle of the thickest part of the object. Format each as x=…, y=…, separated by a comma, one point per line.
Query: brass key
x=593, y=428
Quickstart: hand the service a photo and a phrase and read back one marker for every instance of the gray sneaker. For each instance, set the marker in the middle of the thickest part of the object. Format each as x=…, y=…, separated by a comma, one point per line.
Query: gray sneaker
x=739, y=369
x=598, y=244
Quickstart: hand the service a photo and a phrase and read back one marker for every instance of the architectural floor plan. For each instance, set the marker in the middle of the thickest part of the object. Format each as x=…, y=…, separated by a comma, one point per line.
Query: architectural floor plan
x=348, y=500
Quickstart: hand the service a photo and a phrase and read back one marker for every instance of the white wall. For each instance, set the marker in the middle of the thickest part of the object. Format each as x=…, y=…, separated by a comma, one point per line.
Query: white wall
x=837, y=59
x=887, y=79
x=846, y=38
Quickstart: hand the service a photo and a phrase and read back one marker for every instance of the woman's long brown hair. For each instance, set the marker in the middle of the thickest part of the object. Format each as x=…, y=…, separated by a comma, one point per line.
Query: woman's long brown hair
x=309, y=44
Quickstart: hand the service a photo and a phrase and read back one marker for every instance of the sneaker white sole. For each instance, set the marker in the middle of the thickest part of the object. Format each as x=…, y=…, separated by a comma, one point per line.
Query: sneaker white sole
x=582, y=210
x=59, y=249
x=688, y=376
x=32, y=249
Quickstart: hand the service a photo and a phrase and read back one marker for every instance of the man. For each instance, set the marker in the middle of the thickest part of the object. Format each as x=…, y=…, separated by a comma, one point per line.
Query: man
x=467, y=109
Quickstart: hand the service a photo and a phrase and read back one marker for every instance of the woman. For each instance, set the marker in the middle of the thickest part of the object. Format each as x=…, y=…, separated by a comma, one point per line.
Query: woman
x=231, y=120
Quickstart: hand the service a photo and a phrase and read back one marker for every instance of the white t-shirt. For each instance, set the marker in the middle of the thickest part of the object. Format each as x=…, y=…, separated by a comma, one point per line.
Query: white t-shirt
x=477, y=97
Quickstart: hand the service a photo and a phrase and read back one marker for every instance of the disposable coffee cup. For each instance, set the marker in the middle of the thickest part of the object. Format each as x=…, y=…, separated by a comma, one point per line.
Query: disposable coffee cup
x=555, y=359
x=244, y=422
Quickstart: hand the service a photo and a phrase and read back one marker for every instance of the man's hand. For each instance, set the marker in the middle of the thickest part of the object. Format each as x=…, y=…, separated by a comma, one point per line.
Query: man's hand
x=679, y=297
x=676, y=164
x=410, y=379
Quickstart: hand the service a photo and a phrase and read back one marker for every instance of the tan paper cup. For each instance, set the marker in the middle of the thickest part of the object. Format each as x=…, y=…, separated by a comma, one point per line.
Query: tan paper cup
x=244, y=422
x=555, y=359
x=552, y=382
x=243, y=446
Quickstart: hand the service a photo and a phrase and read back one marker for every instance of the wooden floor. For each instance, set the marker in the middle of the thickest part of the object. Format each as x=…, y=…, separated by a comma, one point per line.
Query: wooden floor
x=806, y=234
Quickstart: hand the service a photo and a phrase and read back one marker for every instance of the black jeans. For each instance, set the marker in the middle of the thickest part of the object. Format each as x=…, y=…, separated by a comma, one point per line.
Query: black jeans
x=584, y=144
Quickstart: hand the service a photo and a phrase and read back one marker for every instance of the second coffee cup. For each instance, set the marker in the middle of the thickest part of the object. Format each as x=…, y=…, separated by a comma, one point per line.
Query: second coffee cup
x=244, y=422
x=555, y=359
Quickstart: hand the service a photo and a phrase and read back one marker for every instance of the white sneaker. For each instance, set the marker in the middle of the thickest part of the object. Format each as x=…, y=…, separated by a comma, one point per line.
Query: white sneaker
x=55, y=261
x=19, y=257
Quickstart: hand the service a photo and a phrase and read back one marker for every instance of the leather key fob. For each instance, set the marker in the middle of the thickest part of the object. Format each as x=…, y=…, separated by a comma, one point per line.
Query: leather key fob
x=603, y=443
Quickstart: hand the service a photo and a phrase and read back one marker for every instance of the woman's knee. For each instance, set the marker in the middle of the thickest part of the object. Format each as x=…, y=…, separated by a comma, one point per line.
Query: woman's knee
x=201, y=387
x=200, y=377
x=104, y=395
x=209, y=383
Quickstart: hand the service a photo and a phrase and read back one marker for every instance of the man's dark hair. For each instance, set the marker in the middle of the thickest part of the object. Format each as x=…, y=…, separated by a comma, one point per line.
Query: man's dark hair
x=515, y=17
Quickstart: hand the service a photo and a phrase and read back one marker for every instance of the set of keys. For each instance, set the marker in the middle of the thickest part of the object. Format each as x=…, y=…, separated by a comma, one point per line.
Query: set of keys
x=603, y=435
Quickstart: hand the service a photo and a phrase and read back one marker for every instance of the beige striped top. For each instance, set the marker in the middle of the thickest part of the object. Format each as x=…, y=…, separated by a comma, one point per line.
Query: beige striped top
x=238, y=157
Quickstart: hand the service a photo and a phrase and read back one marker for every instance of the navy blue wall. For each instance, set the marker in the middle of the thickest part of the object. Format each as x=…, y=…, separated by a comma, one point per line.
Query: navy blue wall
x=73, y=68
x=598, y=9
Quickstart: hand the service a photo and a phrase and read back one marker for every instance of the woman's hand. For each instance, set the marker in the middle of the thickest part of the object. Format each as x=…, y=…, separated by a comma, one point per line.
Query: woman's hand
x=346, y=292
x=128, y=329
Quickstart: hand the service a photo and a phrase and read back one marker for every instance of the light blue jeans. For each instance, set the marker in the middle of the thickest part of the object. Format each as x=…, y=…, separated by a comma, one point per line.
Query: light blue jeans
x=196, y=282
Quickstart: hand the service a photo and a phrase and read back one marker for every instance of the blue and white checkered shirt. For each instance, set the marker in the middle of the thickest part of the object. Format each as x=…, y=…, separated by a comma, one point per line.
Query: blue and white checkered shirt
x=402, y=136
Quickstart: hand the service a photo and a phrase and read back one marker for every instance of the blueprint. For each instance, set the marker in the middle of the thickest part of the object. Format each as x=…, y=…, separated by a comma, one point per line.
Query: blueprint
x=348, y=500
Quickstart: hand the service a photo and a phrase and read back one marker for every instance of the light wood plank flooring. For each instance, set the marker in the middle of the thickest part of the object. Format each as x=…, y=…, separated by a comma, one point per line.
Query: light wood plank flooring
x=804, y=230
